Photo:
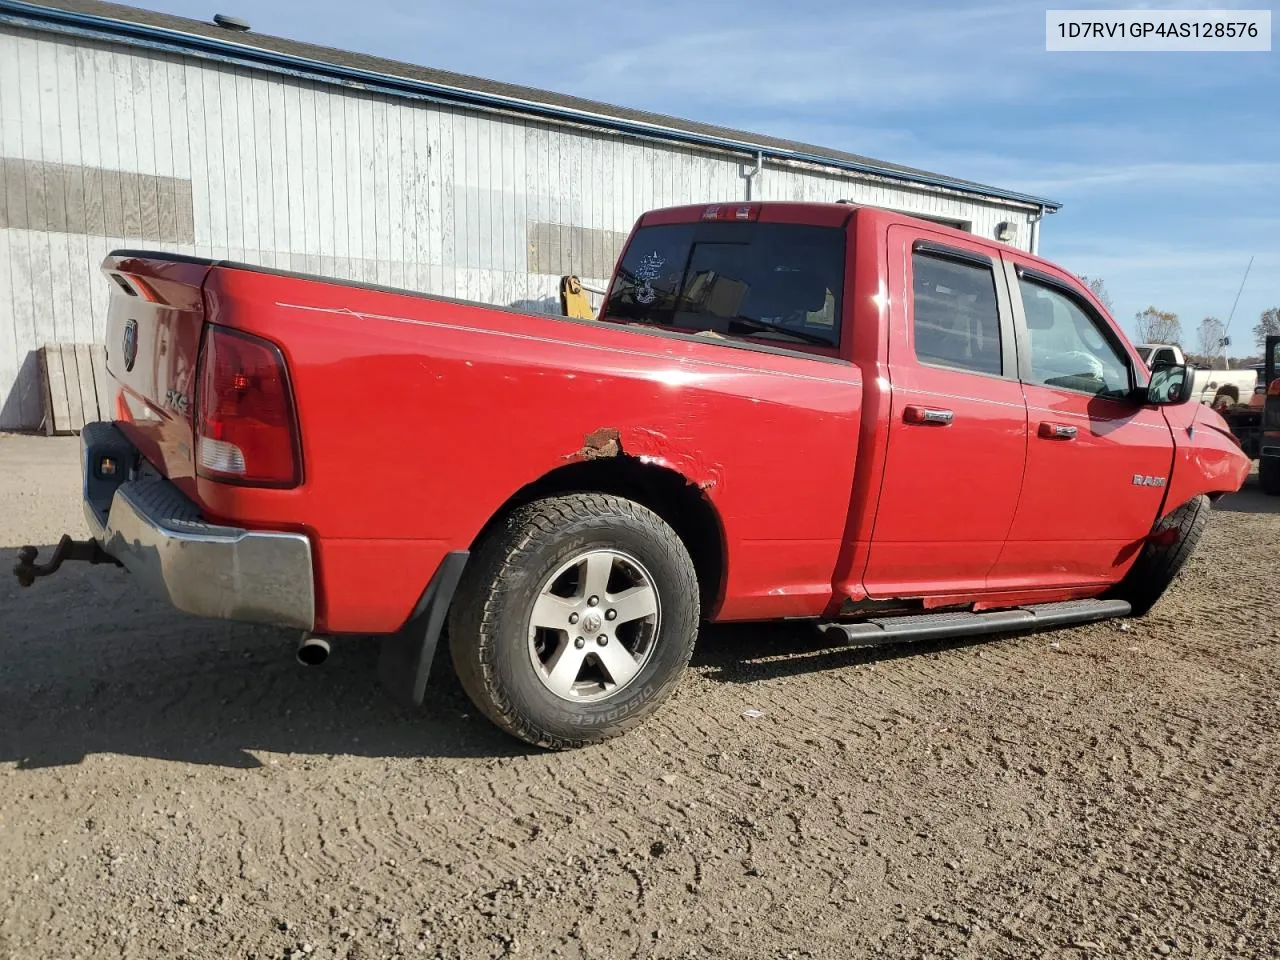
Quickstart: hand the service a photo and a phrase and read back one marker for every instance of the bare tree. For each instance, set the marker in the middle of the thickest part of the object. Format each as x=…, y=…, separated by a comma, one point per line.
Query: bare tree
x=1099, y=290
x=1209, y=337
x=1268, y=326
x=1158, y=326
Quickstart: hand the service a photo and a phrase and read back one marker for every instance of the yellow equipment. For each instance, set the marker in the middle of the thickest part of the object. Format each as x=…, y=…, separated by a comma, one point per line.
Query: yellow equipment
x=573, y=299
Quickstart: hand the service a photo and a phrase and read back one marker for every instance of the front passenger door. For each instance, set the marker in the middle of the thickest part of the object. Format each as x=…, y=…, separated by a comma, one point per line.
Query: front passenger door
x=1097, y=462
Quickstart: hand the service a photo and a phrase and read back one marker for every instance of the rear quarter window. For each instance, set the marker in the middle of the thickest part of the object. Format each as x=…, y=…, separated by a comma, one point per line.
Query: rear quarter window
x=778, y=283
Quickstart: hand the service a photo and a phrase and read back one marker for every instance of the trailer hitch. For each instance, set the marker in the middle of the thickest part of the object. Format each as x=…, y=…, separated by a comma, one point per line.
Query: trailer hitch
x=86, y=551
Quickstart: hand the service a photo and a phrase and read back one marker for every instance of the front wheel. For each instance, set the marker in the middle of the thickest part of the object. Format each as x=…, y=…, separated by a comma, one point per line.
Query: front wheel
x=1168, y=548
x=575, y=620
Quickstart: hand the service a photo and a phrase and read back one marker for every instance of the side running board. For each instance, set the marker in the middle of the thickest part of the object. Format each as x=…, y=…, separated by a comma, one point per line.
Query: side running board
x=927, y=626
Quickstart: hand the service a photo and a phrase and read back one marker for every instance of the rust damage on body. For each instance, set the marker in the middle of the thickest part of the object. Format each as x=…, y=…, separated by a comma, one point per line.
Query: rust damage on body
x=649, y=447
x=599, y=444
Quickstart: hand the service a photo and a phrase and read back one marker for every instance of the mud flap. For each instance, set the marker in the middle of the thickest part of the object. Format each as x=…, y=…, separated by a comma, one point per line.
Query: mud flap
x=404, y=662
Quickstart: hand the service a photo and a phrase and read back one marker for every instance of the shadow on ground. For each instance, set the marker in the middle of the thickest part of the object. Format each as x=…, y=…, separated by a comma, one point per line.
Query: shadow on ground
x=1250, y=499
x=91, y=665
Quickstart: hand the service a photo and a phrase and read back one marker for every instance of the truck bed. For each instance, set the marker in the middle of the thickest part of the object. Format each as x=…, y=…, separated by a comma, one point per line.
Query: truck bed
x=419, y=415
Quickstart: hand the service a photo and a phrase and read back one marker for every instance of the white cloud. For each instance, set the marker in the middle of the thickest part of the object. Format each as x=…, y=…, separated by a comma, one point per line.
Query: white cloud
x=1054, y=179
x=1192, y=282
x=782, y=57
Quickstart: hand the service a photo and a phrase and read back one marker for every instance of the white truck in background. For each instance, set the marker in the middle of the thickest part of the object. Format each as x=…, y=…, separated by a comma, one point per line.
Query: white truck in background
x=1216, y=387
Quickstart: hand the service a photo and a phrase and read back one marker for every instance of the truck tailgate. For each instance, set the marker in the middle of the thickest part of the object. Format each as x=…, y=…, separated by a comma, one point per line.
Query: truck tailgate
x=154, y=324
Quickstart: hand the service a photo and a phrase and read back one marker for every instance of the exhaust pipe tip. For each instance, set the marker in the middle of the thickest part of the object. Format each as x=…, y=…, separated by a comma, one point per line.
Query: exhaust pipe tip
x=313, y=651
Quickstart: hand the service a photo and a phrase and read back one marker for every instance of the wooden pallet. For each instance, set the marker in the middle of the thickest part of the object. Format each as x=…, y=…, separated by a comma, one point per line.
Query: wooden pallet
x=75, y=386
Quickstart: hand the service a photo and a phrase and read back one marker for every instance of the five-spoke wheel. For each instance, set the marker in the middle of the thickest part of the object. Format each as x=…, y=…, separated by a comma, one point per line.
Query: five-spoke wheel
x=574, y=619
x=593, y=625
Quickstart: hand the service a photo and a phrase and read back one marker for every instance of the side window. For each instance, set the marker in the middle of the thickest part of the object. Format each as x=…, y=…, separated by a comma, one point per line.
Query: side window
x=1162, y=356
x=955, y=319
x=1069, y=348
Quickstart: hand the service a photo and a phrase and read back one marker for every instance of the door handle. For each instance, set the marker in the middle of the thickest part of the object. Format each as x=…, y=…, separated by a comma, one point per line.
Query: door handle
x=1057, y=431
x=928, y=416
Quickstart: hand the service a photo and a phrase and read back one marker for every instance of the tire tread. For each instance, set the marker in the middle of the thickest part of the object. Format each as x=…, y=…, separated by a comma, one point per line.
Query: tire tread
x=481, y=599
x=1159, y=564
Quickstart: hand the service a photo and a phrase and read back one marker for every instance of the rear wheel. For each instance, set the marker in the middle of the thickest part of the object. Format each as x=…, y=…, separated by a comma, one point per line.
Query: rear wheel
x=1269, y=475
x=576, y=620
x=1170, y=545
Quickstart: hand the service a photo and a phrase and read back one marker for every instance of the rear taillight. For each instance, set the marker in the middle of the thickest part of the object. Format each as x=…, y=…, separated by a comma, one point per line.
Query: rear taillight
x=1273, y=390
x=245, y=427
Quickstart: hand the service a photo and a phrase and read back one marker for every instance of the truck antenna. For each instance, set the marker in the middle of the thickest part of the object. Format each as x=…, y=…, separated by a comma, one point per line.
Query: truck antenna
x=1227, y=326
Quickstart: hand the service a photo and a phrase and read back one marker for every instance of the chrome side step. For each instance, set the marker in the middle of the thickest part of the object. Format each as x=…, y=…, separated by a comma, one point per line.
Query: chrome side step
x=927, y=626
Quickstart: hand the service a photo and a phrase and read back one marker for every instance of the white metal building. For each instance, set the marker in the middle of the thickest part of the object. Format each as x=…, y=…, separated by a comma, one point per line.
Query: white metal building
x=125, y=128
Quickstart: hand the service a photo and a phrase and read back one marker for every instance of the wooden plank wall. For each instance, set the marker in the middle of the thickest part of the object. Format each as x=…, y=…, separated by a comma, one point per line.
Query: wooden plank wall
x=76, y=389
x=110, y=146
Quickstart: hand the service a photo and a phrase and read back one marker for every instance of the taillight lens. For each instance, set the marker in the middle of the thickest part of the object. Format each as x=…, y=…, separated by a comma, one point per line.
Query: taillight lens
x=732, y=211
x=246, y=431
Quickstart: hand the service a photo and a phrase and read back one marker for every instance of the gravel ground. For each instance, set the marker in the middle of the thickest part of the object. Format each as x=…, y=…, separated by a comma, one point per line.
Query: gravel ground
x=177, y=787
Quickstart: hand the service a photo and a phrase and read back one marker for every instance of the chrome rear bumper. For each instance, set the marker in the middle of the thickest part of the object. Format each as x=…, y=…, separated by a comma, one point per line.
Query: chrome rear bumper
x=146, y=523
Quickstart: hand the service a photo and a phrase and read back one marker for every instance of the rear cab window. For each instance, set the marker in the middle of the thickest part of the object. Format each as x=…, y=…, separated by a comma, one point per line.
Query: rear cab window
x=777, y=284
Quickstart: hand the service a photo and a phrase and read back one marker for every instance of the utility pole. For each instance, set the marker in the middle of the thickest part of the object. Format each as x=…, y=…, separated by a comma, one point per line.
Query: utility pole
x=1226, y=340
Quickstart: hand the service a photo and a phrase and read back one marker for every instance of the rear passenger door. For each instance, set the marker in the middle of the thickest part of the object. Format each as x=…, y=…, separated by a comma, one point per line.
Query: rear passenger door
x=958, y=429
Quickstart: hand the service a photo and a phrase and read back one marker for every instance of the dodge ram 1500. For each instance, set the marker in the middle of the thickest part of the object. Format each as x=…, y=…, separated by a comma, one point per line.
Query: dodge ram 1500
x=887, y=427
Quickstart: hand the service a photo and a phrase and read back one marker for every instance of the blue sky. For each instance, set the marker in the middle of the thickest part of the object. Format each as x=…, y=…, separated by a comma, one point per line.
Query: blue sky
x=1168, y=164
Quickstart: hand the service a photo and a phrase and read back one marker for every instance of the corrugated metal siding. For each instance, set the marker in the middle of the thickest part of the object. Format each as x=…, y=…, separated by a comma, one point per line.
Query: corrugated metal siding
x=232, y=163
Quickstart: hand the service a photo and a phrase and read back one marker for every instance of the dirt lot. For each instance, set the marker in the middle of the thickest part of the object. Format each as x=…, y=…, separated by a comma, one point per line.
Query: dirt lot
x=175, y=787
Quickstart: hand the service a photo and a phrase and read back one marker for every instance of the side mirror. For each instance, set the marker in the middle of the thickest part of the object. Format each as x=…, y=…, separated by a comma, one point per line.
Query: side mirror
x=1170, y=384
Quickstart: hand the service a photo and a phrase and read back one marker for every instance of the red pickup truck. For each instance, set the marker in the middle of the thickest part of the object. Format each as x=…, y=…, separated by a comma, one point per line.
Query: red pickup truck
x=783, y=411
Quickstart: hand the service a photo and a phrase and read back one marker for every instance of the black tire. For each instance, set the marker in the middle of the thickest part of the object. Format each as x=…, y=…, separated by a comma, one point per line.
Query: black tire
x=489, y=632
x=1269, y=475
x=1160, y=562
